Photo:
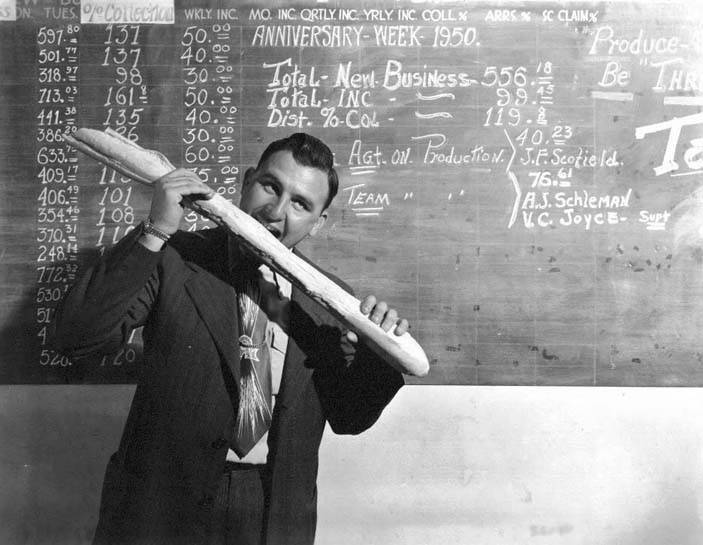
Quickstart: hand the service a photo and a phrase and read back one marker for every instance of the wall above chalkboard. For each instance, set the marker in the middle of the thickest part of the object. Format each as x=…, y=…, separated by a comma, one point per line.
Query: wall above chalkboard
x=520, y=180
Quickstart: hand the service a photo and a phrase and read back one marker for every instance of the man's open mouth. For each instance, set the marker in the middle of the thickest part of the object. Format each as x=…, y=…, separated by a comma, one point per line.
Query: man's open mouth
x=275, y=232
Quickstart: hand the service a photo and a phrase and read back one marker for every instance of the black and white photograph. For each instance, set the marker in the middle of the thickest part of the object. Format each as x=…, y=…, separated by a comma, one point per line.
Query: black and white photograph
x=335, y=272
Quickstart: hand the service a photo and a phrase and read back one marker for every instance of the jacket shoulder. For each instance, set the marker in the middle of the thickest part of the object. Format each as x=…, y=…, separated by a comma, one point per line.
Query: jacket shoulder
x=207, y=247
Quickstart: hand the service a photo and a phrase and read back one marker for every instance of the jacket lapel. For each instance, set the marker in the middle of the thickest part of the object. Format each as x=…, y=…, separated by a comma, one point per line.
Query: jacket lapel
x=216, y=302
x=306, y=317
x=216, y=305
x=295, y=374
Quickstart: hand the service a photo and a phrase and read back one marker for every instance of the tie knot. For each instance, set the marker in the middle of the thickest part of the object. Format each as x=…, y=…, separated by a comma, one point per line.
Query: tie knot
x=249, y=349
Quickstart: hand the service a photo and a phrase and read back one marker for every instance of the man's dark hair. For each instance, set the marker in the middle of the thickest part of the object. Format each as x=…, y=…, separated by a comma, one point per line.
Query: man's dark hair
x=310, y=152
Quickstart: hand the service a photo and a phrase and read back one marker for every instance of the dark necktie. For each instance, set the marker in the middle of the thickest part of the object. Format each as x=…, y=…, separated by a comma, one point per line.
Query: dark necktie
x=254, y=415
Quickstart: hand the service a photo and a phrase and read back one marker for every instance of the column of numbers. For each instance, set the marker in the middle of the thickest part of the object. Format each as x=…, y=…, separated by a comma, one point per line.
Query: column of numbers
x=57, y=197
x=210, y=112
x=124, y=104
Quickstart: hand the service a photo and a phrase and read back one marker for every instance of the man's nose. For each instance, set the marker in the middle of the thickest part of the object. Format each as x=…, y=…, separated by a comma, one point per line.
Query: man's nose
x=276, y=210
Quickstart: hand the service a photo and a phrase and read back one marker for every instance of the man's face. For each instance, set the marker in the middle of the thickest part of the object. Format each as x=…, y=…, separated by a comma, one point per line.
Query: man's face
x=286, y=197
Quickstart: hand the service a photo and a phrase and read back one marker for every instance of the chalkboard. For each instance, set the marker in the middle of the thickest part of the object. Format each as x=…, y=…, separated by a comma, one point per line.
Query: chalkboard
x=519, y=179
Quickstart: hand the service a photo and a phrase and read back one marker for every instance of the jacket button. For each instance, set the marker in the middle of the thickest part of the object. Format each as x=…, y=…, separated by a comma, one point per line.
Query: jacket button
x=219, y=443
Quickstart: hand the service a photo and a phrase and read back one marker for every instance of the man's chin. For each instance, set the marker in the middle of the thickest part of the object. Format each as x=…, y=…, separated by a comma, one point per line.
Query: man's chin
x=290, y=244
x=281, y=237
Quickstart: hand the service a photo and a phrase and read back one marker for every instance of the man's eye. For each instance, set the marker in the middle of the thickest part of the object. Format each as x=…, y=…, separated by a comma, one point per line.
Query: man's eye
x=301, y=205
x=268, y=187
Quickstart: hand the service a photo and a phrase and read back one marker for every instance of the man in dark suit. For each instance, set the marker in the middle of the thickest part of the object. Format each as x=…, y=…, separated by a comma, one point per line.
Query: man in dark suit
x=187, y=471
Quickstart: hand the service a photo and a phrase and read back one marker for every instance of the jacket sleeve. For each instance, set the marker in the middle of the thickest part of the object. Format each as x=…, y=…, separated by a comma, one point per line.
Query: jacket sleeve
x=110, y=299
x=354, y=385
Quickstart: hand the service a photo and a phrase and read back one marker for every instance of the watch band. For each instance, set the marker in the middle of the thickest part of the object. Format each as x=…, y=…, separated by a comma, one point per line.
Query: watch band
x=148, y=228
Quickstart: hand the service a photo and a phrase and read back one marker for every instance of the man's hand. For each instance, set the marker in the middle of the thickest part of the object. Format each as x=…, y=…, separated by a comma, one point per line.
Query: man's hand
x=169, y=190
x=379, y=313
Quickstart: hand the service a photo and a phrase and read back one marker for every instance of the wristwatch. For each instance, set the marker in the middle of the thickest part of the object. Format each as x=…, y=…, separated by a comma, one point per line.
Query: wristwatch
x=148, y=228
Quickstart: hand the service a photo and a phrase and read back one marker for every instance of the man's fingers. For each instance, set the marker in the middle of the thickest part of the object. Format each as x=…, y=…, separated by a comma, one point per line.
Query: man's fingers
x=184, y=186
x=367, y=304
x=402, y=328
x=180, y=191
x=379, y=312
x=389, y=320
x=184, y=182
x=170, y=191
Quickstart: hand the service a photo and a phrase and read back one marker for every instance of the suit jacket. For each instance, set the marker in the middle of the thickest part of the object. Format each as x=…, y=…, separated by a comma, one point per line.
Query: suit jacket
x=160, y=484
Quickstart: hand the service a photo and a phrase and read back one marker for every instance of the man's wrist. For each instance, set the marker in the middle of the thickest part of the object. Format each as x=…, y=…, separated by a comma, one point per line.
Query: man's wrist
x=152, y=237
x=149, y=228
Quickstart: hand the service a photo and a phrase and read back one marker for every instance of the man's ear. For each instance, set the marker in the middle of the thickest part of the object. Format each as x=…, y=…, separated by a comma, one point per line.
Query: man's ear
x=248, y=175
x=319, y=222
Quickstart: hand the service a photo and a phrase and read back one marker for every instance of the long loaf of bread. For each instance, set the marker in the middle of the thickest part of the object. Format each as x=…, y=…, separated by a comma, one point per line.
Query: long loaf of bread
x=400, y=351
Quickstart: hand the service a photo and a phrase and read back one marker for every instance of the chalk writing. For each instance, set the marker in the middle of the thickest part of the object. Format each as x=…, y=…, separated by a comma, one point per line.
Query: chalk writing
x=124, y=104
x=692, y=156
x=307, y=36
x=122, y=11
x=436, y=151
x=57, y=206
x=365, y=203
x=210, y=112
x=654, y=221
x=8, y=11
x=570, y=15
x=480, y=124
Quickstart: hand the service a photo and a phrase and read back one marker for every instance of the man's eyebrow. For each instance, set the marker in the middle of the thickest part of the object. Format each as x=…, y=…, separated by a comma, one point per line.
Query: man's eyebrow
x=268, y=178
